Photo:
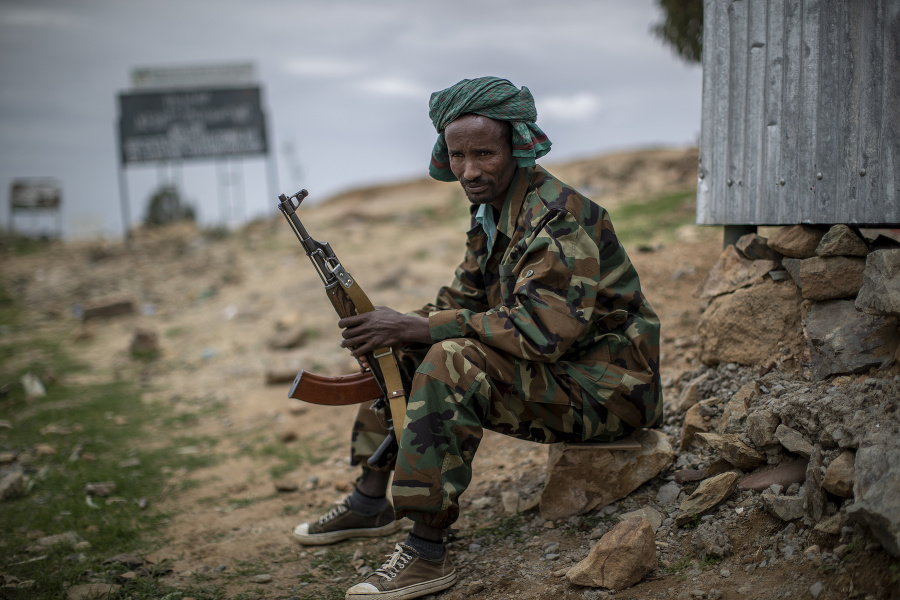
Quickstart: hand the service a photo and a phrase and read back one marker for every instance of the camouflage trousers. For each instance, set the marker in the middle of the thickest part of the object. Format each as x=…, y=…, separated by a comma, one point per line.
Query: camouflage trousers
x=459, y=387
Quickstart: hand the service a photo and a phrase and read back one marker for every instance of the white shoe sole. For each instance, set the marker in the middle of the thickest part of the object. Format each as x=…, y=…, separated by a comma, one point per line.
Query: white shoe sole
x=365, y=591
x=331, y=537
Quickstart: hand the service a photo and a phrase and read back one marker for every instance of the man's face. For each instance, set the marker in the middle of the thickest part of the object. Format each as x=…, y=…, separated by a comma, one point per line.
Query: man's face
x=481, y=158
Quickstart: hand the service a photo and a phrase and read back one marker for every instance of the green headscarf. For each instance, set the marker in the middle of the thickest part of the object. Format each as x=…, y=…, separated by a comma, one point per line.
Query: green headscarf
x=490, y=97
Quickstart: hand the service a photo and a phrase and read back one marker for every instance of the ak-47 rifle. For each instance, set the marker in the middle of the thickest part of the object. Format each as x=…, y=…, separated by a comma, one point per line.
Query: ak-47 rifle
x=382, y=382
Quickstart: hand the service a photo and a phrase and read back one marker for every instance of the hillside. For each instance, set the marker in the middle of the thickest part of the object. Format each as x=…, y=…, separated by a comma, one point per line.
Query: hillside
x=217, y=304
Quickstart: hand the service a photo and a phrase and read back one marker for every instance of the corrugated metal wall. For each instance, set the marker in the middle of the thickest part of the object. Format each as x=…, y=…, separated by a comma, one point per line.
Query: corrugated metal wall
x=801, y=112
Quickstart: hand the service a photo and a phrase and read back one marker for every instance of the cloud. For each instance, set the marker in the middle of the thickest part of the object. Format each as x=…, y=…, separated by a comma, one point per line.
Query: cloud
x=321, y=67
x=577, y=107
x=39, y=18
x=394, y=86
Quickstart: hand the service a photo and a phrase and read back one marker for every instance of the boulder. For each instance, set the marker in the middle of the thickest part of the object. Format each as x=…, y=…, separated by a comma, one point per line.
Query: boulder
x=583, y=478
x=876, y=505
x=706, y=497
x=880, y=292
x=796, y=241
x=622, y=557
x=731, y=272
x=747, y=326
x=842, y=340
x=829, y=278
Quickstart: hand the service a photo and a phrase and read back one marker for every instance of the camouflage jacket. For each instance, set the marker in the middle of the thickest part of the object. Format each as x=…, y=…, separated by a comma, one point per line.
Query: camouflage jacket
x=557, y=287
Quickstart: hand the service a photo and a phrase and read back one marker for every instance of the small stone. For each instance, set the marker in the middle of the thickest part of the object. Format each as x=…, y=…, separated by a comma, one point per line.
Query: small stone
x=816, y=589
x=707, y=496
x=793, y=441
x=286, y=485
x=12, y=485
x=840, y=240
x=262, y=578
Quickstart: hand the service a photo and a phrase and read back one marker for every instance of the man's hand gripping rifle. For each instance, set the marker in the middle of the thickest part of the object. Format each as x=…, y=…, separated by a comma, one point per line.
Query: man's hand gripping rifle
x=382, y=382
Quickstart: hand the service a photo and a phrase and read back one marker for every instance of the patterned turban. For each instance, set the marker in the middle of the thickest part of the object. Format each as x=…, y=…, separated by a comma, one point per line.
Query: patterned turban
x=490, y=97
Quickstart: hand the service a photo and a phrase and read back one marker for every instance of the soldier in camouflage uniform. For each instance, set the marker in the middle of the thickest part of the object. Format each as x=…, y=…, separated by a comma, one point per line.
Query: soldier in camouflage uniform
x=543, y=335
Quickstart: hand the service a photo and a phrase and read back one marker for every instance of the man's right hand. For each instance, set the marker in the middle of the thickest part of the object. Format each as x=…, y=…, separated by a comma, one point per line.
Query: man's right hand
x=382, y=328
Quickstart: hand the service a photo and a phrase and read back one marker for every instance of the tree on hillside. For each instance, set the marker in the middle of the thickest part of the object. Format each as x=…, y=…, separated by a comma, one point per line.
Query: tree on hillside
x=682, y=27
x=166, y=207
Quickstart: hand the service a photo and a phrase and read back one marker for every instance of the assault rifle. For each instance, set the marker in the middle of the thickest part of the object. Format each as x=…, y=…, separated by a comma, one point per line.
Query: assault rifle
x=382, y=381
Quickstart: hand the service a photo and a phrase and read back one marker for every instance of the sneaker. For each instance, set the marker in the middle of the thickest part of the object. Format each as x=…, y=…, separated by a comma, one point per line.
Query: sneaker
x=405, y=575
x=342, y=523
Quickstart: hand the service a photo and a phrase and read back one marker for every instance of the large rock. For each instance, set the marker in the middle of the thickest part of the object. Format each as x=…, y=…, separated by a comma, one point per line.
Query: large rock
x=747, y=326
x=731, y=272
x=829, y=278
x=843, y=340
x=877, y=503
x=797, y=241
x=622, y=557
x=583, y=478
x=841, y=241
x=880, y=292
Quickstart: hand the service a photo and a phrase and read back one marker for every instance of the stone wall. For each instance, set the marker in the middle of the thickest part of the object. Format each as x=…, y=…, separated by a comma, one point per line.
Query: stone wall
x=813, y=301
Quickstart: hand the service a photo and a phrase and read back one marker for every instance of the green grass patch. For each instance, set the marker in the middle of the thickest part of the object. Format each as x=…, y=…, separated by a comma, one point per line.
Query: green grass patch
x=504, y=529
x=287, y=457
x=644, y=222
x=74, y=436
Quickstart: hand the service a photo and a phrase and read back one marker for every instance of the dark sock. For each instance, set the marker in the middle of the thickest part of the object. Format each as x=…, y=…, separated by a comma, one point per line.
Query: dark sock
x=426, y=548
x=366, y=505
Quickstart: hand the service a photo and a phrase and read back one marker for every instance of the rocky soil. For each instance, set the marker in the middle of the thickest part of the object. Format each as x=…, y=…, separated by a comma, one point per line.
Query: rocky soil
x=233, y=315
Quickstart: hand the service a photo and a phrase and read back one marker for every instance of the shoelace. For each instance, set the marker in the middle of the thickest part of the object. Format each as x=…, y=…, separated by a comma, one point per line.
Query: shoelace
x=398, y=560
x=334, y=513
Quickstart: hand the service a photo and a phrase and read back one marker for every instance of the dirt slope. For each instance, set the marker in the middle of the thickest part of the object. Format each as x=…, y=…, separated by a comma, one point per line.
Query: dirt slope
x=217, y=304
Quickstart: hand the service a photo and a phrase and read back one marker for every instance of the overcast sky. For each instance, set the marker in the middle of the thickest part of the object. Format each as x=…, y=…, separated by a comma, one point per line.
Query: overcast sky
x=345, y=89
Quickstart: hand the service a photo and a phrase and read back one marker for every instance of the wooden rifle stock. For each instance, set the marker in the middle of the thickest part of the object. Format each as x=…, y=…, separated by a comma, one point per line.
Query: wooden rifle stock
x=348, y=299
x=335, y=391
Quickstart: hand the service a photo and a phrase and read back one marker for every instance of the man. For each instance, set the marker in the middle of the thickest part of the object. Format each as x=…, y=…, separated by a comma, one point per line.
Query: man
x=544, y=335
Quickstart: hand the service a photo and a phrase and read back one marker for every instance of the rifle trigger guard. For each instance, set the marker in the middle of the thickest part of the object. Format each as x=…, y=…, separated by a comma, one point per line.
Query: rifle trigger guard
x=388, y=352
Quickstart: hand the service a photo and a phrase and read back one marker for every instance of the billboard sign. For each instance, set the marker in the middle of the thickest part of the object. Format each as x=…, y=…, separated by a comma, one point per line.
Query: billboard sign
x=188, y=77
x=35, y=194
x=185, y=124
